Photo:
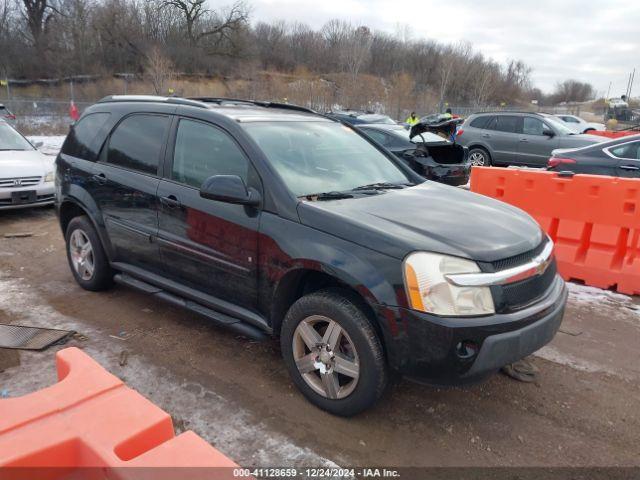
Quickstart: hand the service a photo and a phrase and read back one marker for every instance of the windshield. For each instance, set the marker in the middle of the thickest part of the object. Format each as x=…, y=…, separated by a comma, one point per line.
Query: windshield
x=12, y=140
x=319, y=157
x=559, y=125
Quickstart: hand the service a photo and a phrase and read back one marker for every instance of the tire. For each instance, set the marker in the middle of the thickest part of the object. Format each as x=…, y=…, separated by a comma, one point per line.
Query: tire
x=356, y=350
x=89, y=266
x=483, y=158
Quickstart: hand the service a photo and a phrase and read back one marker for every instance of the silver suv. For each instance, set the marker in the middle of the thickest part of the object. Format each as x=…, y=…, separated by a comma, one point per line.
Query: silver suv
x=517, y=138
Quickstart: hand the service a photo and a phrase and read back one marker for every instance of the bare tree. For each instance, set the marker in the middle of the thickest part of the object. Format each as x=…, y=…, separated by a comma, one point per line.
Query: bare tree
x=159, y=70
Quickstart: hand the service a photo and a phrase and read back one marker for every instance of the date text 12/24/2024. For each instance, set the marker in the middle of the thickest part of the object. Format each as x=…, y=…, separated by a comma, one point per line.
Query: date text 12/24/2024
x=332, y=473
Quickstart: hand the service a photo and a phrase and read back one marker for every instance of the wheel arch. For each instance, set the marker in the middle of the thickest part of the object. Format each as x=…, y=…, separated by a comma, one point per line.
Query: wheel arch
x=302, y=281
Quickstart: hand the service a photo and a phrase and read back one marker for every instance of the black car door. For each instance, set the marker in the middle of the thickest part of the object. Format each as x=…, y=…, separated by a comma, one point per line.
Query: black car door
x=205, y=244
x=124, y=185
x=628, y=158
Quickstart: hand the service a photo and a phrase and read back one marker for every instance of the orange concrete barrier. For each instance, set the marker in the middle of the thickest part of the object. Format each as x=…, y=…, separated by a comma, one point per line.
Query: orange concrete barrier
x=594, y=220
x=613, y=134
x=91, y=425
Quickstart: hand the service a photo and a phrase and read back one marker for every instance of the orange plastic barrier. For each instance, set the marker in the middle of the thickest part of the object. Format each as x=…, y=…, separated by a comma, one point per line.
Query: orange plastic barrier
x=612, y=134
x=594, y=220
x=92, y=419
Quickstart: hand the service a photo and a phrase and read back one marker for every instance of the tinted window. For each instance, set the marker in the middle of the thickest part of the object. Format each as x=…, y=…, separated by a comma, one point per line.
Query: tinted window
x=480, y=122
x=630, y=150
x=137, y=142
x=532, y=126
x=203, y=151
x=507, y=123
x=79, y=142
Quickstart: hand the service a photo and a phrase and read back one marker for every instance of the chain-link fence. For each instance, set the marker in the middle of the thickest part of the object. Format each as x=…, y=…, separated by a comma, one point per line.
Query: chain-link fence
x=42, y=116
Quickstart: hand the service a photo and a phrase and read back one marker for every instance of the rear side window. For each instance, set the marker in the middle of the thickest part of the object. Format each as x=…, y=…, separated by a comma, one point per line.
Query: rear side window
x=137, y=141
x=80, y=141
x=481, y=122
x=202, y=151
x=507, y=124
x=629, y=151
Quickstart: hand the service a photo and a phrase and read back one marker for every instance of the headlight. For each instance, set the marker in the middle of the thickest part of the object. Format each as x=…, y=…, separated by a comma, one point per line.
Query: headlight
x=429, y=291
x=49, y=177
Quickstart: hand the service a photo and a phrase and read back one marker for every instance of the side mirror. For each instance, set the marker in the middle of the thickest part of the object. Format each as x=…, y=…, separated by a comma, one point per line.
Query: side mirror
x=38, y=144
x=548, y=132
x=229, y=189
x=409, y=153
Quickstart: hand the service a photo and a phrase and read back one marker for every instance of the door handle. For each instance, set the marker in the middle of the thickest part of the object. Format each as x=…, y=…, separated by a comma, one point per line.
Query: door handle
x=99, y=178
x=170, y=202
x=486, y=135
x=629, y=167
x=524, y=140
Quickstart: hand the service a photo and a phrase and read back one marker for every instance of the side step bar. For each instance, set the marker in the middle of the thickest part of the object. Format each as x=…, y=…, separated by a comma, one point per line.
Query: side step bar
x=216, y=317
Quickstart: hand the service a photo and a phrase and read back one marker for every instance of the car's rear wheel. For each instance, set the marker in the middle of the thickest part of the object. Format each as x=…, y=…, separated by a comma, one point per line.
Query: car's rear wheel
x=333, y=353
x=87, y=259
x=479, y=157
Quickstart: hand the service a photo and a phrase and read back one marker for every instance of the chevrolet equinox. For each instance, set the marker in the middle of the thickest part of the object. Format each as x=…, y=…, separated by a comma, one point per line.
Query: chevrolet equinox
x=269, y=219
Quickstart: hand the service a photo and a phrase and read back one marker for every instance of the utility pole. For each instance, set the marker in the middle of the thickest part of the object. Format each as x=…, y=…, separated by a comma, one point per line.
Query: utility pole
x=608, y=91
x=633, y=77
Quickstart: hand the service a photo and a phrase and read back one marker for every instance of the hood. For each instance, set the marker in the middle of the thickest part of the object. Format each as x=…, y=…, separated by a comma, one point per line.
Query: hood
x=428, y=217
x=29, y=163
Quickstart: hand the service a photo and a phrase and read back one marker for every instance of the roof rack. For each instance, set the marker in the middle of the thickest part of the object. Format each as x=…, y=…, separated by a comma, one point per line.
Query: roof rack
x=152, y=99
x=259, y=103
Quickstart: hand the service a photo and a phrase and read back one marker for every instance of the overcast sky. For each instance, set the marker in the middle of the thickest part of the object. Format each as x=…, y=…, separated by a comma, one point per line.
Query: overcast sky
x=589, y=40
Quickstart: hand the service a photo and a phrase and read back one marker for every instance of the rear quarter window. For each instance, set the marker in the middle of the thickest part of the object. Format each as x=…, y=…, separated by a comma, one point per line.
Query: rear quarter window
x=80, y=141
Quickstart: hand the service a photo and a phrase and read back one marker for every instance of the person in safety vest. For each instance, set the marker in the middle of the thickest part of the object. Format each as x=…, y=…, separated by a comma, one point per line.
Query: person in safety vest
x=412, y=119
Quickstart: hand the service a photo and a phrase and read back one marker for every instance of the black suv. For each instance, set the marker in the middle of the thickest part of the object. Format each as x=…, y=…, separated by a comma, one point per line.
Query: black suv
x=272, y=220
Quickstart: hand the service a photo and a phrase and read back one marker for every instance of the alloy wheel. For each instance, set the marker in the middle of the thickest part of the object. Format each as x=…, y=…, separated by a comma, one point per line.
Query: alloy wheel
x=477, y=159
x=81, y=252
x=326, y=357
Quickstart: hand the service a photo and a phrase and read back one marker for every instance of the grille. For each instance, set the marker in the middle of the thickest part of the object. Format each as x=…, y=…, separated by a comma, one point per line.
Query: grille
x=519, y=259
x=519, y=294
x=30, y=338
x=19, y=182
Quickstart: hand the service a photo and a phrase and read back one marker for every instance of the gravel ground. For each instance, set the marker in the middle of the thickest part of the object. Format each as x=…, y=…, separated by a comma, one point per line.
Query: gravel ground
x=582, y=410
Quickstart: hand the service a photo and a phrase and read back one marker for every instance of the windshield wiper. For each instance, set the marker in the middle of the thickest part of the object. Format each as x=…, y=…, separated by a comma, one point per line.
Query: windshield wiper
x=379, y=186
x=327, y=196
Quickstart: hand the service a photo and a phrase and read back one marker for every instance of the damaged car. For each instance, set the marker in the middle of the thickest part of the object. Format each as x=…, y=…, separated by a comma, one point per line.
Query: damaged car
x=424, y=151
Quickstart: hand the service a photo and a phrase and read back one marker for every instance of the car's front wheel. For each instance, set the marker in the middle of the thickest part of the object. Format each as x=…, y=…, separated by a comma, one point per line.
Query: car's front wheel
x=479, y=157
x=333, y=353
x=87, y=259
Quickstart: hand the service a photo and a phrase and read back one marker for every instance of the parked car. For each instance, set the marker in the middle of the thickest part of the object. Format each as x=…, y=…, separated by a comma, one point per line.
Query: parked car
x=269, y=219
x=26, y=175
x=517, y=138
x=428, y=154
x=618, y=158
x=6, y=115
x=578, y=125
x=358, y=118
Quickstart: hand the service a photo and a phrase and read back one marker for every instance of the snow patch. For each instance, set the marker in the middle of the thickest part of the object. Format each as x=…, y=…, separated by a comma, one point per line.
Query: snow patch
x=51, y=145
x=551, y=354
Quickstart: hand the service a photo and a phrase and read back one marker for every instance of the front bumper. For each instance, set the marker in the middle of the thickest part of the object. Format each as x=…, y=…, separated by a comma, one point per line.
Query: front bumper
x=35, y=196
x=450, y=351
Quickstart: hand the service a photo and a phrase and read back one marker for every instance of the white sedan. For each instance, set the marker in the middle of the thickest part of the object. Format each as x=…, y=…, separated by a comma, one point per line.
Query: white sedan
x=578, y=125
x=26, y=175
